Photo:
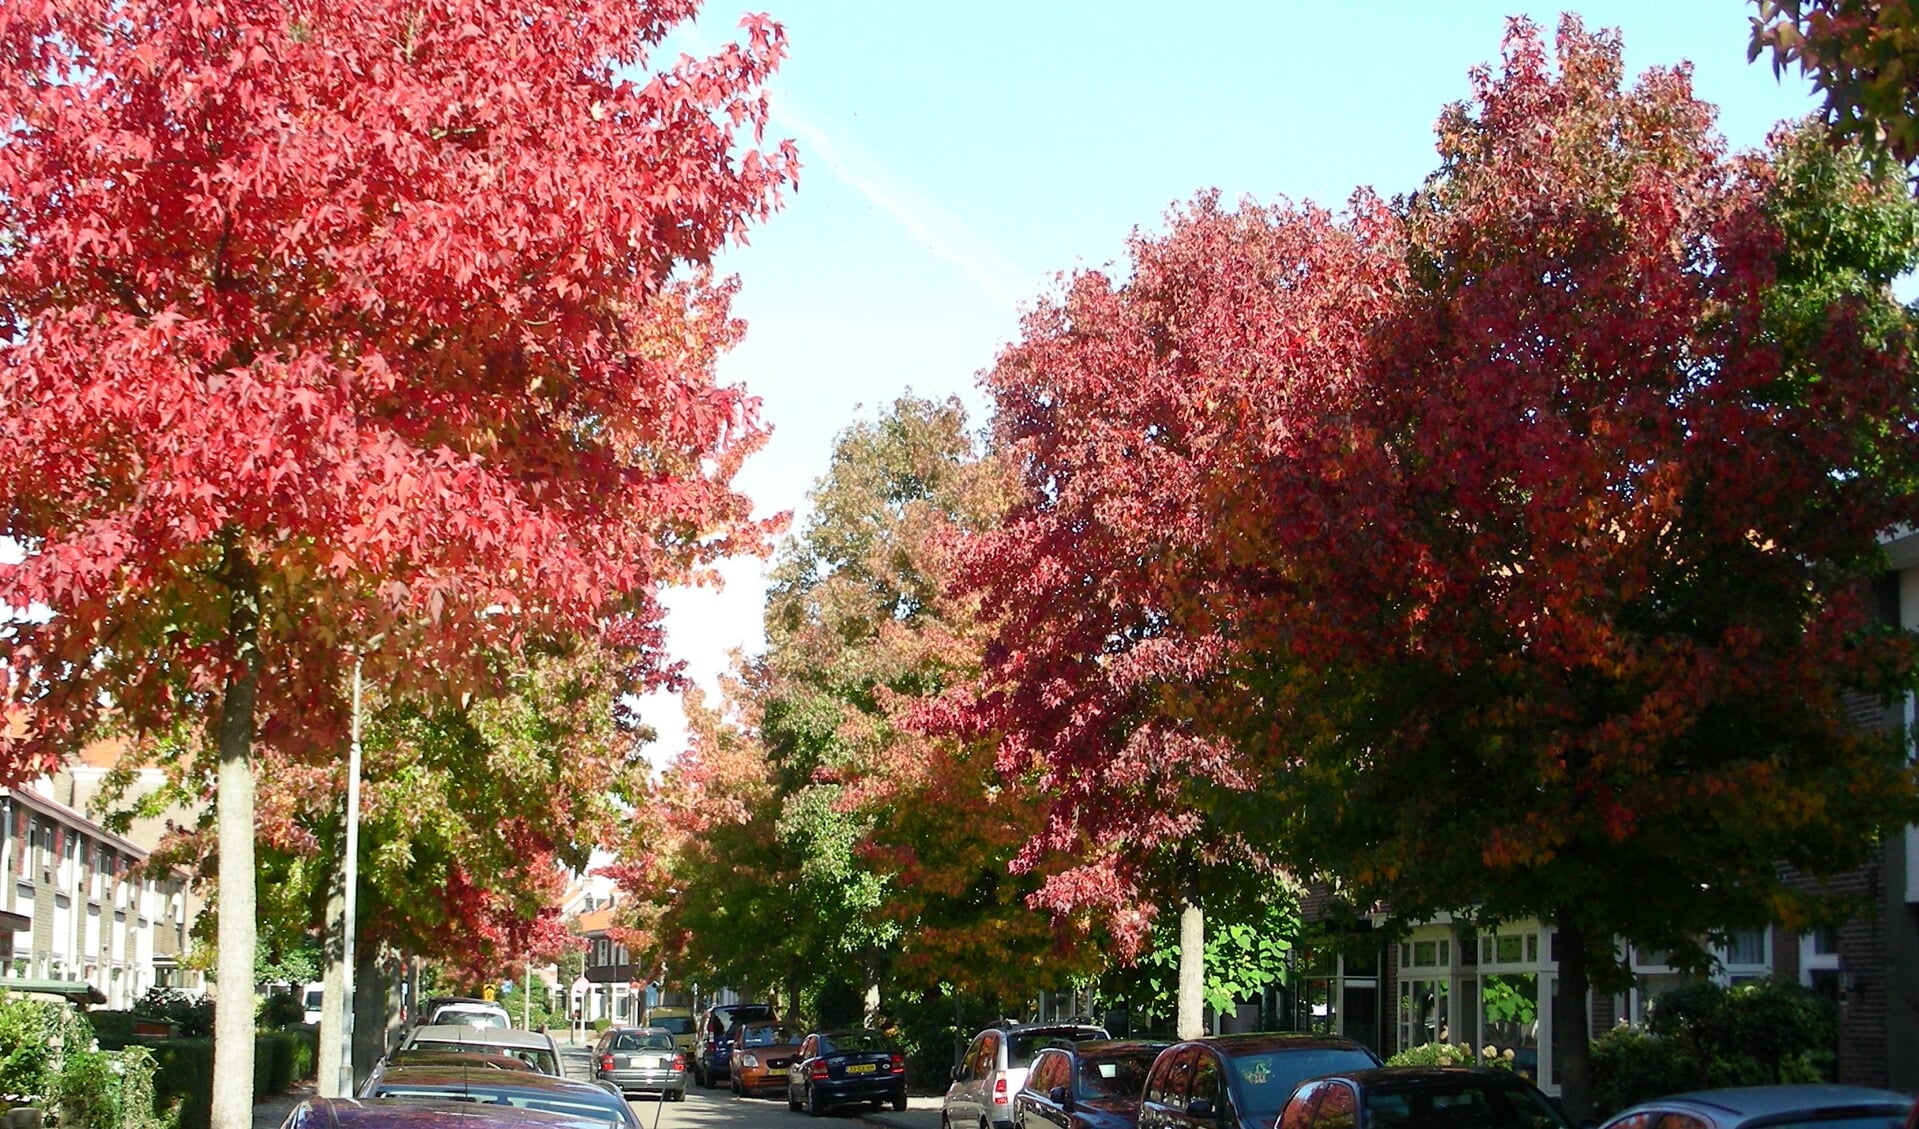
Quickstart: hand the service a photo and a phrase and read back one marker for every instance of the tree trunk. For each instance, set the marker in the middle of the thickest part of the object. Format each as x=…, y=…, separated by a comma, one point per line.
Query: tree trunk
x=233, y=810
x=1572, y=1027
x=1191, y=1023
x=333, y=1004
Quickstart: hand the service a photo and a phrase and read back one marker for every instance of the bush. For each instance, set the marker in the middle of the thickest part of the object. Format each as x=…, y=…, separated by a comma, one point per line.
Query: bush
x=192, y=1015
x=282, y=1009
x=1435, y=1054
x=601, y=1024
x=183, y=1079
x=281, y=1058
x=1630, y=1066
x=1703, y=1035
x=112, y=1028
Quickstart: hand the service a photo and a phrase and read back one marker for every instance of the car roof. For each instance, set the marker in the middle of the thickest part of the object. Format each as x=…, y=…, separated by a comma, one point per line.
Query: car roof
x=1263, y=1043
x=1412, y=1077
x=411, y=1113
x=420, y=1056
x=1093, y=1048
x=489, y=1036
x=1759, y=1101
x=504, y=1082
x=1049, y=1029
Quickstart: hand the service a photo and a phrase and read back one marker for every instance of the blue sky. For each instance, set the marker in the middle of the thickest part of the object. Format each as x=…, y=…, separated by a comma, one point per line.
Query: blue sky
x=959, y=153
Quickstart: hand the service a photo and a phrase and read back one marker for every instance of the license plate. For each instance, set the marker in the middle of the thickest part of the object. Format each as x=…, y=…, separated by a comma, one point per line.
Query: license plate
x=861, y=1068
x=645, y=1062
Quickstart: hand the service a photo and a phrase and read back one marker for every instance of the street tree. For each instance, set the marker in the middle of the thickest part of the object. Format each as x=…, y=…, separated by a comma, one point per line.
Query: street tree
x=328, y=323
x=1628, y=446
x=1133, y=407
x=1862, y=55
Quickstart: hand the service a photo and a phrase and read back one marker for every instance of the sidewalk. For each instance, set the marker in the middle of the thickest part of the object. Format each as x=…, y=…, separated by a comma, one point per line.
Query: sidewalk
x=271, y=1112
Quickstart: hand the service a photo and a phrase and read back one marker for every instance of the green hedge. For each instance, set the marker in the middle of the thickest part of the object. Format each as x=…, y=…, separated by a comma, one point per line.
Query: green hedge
x=185, y=1074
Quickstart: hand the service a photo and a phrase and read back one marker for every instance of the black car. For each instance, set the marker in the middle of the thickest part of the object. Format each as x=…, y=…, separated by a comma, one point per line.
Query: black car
x=1239, y=1081
x=841, y=1067
x=1090, y=1085
x=1403, y=1097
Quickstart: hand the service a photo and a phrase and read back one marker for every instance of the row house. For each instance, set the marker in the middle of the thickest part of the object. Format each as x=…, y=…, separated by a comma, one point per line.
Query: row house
x=613, y=983
x=78, y=906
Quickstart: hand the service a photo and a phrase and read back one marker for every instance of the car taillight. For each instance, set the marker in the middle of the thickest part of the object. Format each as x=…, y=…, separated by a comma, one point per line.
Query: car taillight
x=999, y=1089
x=606, y=1062
x=818, y=1071
x=679, y=1062
x=898, y=1064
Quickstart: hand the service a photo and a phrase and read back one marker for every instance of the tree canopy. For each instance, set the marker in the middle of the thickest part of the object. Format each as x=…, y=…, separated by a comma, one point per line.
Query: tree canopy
x=328, y=323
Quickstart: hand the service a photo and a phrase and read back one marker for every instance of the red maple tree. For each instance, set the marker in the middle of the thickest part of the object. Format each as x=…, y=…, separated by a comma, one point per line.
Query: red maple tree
x=1506, y=553
x=329, y=323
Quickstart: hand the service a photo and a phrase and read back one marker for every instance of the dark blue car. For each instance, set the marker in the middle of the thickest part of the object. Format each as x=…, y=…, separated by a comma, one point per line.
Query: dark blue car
x=843, y=1067
x=1088, y=1085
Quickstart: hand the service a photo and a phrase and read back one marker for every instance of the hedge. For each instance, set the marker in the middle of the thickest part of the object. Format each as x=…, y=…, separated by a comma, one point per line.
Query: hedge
x=185, y=1074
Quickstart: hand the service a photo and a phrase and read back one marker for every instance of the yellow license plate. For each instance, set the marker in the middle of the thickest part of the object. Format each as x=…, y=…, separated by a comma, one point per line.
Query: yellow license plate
x=861, y=1068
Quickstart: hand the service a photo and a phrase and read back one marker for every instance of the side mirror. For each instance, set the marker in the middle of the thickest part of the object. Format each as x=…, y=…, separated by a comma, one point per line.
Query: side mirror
x=1061, y=1096
x=1201, y=1108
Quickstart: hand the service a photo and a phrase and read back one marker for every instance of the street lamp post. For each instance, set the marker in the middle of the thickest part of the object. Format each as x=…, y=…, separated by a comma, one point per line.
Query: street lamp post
x=350, y=882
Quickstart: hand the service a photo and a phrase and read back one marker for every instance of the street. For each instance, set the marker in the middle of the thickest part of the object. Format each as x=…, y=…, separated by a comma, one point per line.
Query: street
x=718, y=1109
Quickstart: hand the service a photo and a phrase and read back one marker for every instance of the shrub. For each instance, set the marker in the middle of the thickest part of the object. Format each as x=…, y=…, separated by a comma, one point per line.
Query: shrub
x=1435, y=1054
x=601, y=1024
x=282, y=1009
x=1630, y=1066
x=192, y=1015
x=1703, y=1035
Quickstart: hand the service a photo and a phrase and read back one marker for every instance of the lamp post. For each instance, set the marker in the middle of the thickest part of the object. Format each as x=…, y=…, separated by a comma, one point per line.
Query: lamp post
x=350, y=882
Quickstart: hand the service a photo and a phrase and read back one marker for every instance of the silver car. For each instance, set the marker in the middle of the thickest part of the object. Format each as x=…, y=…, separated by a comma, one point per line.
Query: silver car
x=994, y=1069
x=535, y=1048
x=1746, y=1107
x=641, y=1060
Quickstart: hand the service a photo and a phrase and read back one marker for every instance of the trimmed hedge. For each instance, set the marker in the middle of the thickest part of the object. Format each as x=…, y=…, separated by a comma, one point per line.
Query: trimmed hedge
x=185, y=1069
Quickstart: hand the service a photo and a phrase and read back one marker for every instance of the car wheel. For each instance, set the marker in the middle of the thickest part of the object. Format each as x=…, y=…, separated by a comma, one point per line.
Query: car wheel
x=814, y=1106
x=792, y=1103
x=899, y=1100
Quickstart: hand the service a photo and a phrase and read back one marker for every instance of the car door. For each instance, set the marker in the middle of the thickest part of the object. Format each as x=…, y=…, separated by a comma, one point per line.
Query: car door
x=1163, y=1100
x=1038, y=1103
x=1298, y=1111
x=1207, y=1103
x=961, y=1108
x=1338, y=1106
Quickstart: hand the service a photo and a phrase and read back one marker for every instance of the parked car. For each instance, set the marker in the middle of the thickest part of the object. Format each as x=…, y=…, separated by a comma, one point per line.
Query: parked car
x=443, y=1082
x=1748, y=1107
x=465, y=1059
x=680, y=1022
x=1094, y=1084
x=712, y=1061
x=535, y=1048
x=641, y=1060
x=390, y=1113
x=1412, y=1097
x=994, y=1069
x=841, y=1067
x=761, y=1053
x=424, y=1014
x=1239, y=1080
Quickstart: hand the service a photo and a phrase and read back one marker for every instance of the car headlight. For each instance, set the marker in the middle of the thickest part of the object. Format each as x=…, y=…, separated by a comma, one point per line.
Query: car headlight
x=747, y=1060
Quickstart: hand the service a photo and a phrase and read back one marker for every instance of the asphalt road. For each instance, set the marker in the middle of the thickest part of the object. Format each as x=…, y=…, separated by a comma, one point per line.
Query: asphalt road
x=718, y=1109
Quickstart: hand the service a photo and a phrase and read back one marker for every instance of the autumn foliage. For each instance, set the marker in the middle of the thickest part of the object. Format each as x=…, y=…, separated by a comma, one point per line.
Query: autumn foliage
x=355, y=326
x=1506, y=550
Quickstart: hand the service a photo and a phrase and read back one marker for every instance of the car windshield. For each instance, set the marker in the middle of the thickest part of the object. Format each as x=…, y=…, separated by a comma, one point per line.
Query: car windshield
x=1115, y=1077
x=764, y=1037
x=641, y=1041
x=466, y=1018
x=1021, y=1046
x=853, y=1041
x=1263, y=1080
x=678, y=1024
x=538, y=1058
x=1468, y=1103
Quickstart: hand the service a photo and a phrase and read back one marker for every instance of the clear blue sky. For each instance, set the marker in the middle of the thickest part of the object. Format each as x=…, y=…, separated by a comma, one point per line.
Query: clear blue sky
x=958, y=153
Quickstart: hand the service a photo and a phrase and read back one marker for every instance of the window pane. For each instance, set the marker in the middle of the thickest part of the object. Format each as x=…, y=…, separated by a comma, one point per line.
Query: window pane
x=1509, y=949
x=1746, y=946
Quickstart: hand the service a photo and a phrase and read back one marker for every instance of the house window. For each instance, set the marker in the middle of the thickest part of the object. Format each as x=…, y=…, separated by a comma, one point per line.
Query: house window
x=1819, y=964
x=1653, y=976
x=1746, y=956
